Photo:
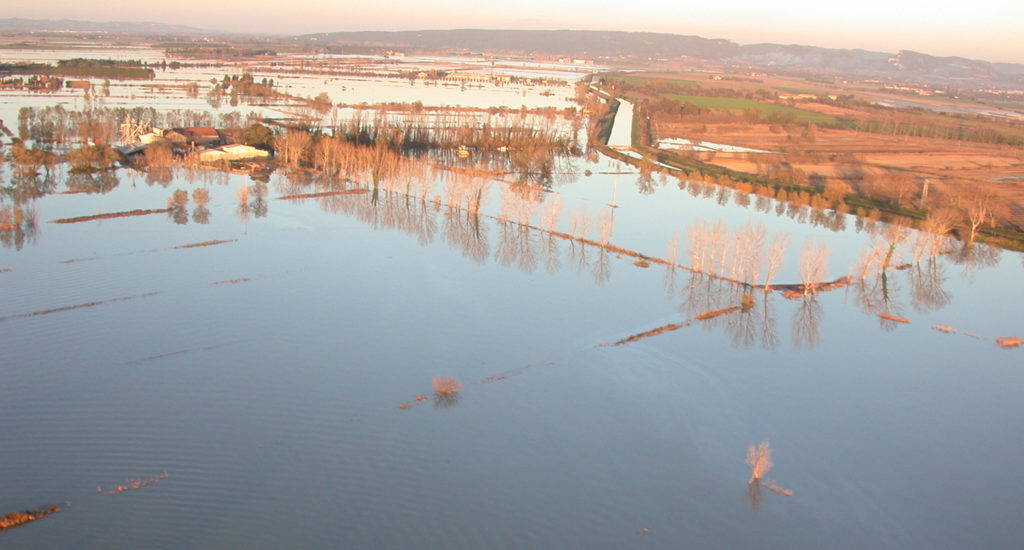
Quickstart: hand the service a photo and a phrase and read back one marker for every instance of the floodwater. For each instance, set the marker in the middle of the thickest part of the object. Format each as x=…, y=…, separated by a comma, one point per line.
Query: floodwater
x=168, y=89
x=255, y=364
x=622, y=126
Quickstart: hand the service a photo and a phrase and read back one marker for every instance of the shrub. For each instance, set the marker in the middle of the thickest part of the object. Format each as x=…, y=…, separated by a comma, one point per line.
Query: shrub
x=91, y=158
x=760, y=460
x=159, y=154
x=446, y=385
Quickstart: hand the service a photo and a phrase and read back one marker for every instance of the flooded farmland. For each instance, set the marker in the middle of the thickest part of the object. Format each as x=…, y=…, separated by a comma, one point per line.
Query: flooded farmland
x=302, y=361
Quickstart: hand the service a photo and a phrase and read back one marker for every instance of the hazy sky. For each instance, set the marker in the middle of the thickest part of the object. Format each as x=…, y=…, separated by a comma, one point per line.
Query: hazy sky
x=981, y=29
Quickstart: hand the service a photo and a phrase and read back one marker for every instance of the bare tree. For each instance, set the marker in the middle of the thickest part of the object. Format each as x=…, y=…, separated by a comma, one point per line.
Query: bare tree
x=750, y=250
x=903, y=187
x=894, y=235
x=606, y=225
x=776, y=253
x=698, y=246
x=293, y=146
x=551, y=213
x=759, y=459
x=672, y=250
x=981, y=208
x=812, y=266
x=720, y=244
x=933, y=238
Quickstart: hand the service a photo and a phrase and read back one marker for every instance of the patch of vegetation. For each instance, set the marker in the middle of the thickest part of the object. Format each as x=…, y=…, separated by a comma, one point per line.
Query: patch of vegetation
x=446, y=385
x=98, y=68
x=606, y=123
x=93, y=158
x=216, y=51
x=260, y=137
x=659, y=80
x=768, y=111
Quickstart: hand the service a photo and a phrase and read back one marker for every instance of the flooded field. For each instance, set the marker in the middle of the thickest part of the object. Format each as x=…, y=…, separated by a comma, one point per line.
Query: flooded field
x=315, y=363
x=347, y=80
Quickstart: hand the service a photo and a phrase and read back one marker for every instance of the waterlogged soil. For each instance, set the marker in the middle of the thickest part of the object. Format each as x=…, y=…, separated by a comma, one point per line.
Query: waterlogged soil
x=274, y=360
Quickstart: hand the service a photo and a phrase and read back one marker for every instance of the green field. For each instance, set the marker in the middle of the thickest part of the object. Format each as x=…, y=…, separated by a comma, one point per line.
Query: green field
x=766, y=109
x=640, y=80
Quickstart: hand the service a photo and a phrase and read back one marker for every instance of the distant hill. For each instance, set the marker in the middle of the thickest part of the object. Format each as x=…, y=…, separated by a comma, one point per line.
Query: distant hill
x=116, y=27
x=903, y=66
x=557, y=42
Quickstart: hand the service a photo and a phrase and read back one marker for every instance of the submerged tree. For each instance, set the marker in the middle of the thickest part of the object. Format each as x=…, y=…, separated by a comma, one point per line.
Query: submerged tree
x=812, y=266
x=776, y=254
x=446, y=391
x=759, y=459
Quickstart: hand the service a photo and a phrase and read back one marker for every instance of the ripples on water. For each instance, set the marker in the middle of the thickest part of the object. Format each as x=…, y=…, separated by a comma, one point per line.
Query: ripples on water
x=263, y=372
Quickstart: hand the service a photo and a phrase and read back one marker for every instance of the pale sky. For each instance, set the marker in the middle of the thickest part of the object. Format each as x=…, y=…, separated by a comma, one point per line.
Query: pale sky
x=983, y=29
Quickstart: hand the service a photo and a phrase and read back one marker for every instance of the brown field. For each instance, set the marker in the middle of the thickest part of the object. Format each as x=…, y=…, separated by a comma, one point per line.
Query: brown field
x=908, y=155
x=872, y=164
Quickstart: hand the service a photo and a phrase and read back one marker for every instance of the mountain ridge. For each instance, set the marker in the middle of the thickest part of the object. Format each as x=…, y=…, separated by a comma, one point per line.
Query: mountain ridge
x=904, y=65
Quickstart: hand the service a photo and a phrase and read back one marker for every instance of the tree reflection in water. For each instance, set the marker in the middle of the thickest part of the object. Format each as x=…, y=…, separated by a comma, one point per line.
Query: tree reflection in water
x=926, y=292
x=878, y=286
x=806, y=320
x=738, y=263
x=463, y=231
x=101, y=182
x=19, y=225
x=201, y=214
x=551, y=252
x=974, y=257
x=446, y=400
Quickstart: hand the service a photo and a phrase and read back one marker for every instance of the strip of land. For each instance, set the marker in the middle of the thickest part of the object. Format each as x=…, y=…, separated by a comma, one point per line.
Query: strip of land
x=110, y=215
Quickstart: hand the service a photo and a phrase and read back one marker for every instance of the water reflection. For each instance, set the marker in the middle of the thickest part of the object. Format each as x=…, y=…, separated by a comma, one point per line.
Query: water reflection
x=92, y=182
x=746, y=315
x=201, y=214
x=446, y=400
x=26, y=185
x=159, y=175
x=975, y=256
x=512, y=238
x=19, y=221
x=806, y=320
x=926, y=286
x=879, y=287
x=730, y=298
x=421, y=196
x=251, y=201
x=754, y=496
x=19, y=224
